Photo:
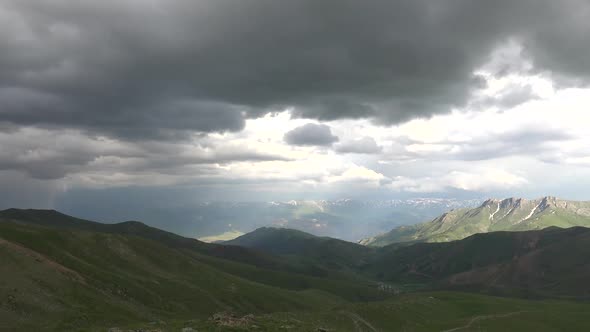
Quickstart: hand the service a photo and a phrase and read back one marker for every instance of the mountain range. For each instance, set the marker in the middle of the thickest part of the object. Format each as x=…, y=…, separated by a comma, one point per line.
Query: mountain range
x=347, y=219
x=511, y=214
x=62, y=273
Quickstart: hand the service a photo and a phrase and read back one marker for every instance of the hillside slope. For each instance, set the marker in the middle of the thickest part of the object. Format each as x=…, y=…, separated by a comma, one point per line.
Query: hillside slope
x=61, y=273
x=440, y=311
x=553, y=262
x=240, y=260
x=90, y=278
x=55, y=219
x=549, y=262
x=321, y=252
x=76, y=279
x=493, y=215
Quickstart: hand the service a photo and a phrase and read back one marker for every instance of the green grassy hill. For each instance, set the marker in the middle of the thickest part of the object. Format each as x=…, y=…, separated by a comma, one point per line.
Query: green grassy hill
x=552, y=262
x=55, y=219
x=280, y=241
x=416, y=312
x=65, y=274
x=76, y=279
x=439, y=311
x=493, y=215
x=322, y=252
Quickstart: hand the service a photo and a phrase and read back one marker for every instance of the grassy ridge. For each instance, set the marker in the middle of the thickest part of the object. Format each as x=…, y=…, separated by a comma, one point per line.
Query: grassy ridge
x=552, y=262
x=89, y=278
x=324, y=253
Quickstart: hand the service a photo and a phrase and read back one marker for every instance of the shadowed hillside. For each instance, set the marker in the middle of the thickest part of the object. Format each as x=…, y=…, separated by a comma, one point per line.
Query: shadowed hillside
x=324, y=252
x=63, y=273
x=550, y=262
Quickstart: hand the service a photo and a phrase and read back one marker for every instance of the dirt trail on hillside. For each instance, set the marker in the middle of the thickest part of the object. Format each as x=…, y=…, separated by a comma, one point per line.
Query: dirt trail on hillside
x=484, y=317
x=358, y=319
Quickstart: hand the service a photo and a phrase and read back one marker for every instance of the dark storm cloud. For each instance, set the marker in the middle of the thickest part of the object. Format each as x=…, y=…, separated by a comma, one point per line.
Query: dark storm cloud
x=172, y=161
x=365, y=145
x=312, y=135
x=160, y=69
x=48, y=155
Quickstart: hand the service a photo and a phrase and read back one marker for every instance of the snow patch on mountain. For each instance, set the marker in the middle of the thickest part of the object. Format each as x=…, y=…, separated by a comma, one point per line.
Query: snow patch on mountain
x=493, y=214
x=531, y=213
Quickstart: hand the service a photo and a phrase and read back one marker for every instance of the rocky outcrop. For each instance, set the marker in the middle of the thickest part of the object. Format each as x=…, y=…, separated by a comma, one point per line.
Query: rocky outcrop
x=510, y=214
x=231, y=320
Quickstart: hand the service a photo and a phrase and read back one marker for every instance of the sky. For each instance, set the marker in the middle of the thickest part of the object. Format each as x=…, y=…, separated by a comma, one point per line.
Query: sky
x=180, y=101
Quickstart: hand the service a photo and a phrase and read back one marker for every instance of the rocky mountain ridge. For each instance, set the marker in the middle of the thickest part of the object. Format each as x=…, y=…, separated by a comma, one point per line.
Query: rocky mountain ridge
x=510, y=214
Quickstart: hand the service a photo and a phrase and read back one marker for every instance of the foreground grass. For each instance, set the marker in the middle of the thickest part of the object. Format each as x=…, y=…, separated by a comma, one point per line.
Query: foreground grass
x=437, y=311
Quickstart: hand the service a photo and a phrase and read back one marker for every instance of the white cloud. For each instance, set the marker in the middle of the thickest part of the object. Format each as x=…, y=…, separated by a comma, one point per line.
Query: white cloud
x=482, y=181
x=357, y=174
x=363, y=145
x=485, y=180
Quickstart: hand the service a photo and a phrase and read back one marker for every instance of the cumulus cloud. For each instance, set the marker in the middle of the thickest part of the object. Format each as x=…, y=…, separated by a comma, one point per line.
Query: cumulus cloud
x=311, y=135
x=481, y=181
x=364, y=145
x=357, y=174
x=541, y=129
